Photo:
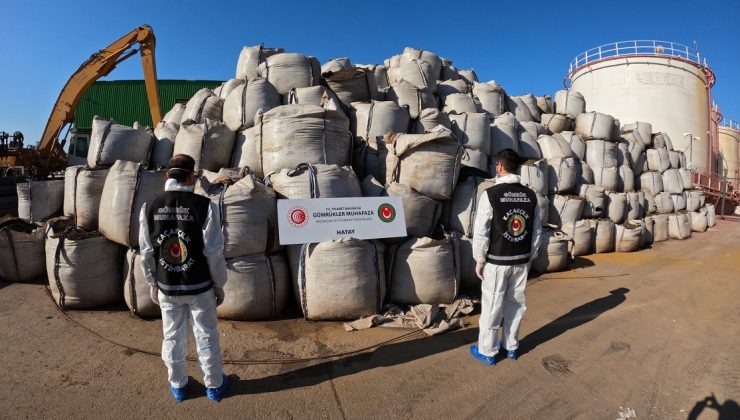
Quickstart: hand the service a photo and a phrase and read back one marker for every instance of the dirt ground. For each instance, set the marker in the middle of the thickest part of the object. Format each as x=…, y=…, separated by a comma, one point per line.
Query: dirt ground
x=653, y=334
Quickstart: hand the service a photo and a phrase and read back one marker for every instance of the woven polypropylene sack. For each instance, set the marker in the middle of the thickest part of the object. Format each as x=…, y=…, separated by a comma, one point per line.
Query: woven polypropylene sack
x=473, y=130
x=352, y=85
x=663, y=202
x=673, y=182
x=581, y=234
x=699, y=222
x=164, y=143
x=679, y=202
x=250, y=58
x=136, y=289
x=227, y=87
x=127, y=187
x=651, y=182
x=424, y=271
x=247, y=152
x=529, y=132
x=596, y=201
x=627, y=237
x=418, y=72
x=491, y=96
x=379, y=72
x=202, y=106
x=517, y=106
x=658, y=160
x=428, y=119
x=290, y=70
x=554, y=147
x=694, y=199
x=675, y=159
x=543, y=204
x=460, y=102
x=533, y=174
x=338, y=280
x=603, y=235
x=556, y=123
x=584, y=175
x=626, y=180
x=545, y=104
x=618, y=207
x=257, y=287
x=427, y=57
x=84, y=273
x=569, y=102
x=595, y=125
x=82, y=193
x=577, y=144
x=561, y=175
x=293, y=134
x=110, y=142
x=504, y=133
x=645, y=129
x=662, y=140
x=210, y=144
x=553, y=251
x=174, y=115
x=601, y=154
x=448, y=87
x=464, y=205
x=565, y=209
x=311, y=95
x=412, y=97
x=711, y=215
x=635, y=206
x=244, y=102
x=40, y=200
x=428, y=163
x=22, y=251
x=679, y=225
x=376, y=119
x=685, y=177
x=421, y=213
x=606, y=178
x=316, y=181
x=648, y=228
x=660, y=228
x=475, y=159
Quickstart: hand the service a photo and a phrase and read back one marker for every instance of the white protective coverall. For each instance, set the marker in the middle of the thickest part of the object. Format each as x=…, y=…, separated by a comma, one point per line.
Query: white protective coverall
x=502, y=290
x=199, y=309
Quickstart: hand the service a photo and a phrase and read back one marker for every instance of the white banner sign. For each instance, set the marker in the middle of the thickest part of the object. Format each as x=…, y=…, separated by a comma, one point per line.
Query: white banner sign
x=326, y=219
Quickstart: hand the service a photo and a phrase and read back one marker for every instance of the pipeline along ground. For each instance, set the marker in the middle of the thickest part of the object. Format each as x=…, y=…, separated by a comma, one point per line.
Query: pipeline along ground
x=653, y=334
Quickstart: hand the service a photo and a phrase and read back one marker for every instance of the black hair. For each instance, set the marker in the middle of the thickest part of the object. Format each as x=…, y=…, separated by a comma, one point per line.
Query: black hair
x=510, y=159
x=180, y=167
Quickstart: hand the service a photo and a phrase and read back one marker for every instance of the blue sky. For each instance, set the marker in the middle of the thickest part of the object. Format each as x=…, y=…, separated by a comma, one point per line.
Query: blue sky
x=526, y=46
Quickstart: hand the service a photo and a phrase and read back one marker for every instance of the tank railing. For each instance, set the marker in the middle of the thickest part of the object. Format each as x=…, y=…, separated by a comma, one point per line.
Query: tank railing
x=637, y=47
x=730, y=123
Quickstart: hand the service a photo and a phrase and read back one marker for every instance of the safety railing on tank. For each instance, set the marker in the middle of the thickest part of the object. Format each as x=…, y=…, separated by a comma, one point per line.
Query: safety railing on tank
x=637, y=48
x=730, y=124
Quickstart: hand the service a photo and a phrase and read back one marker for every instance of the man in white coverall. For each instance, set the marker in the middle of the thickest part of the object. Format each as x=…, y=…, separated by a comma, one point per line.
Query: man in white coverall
x=181, y=246
x=506, y=237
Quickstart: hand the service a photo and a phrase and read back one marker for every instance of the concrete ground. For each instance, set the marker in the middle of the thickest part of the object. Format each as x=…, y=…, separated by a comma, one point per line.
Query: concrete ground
x=653, y=334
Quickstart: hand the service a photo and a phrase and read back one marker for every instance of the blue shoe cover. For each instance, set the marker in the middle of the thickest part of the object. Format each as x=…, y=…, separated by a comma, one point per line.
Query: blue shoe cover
x=491, y=361
x=215, y=394
x=179, y=393
x=511, y=354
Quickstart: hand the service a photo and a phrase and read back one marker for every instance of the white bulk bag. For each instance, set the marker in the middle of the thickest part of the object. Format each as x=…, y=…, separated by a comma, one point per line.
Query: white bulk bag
x=529, y=132
x=561, y=175
x=227, y=87
x=711, y=216
x=694, y=199
x=83, y=189
x=647, y=227
x=639, y=165
x=596, y=204
x=491, y=96
x=627, y=237
x=675, y=158
x=336, y=64
x=545, y=104
x=473, y=130
x=663, y=202
x=164, y=143
x=247, y=153
x=243, y=103
x=127, y=187
x=679, y=202
x=458, y=103
x=569, y=102
x=603, y=235
x=204, y=105
x=174, y=115
x=606, y=178
x=338, y=280
x=39, y=200
x=376, y=119
x=83, y=272
x=210, y=144
x=424, y=270
x=595, y=125
x=661, y=228
x=315, y=181
x=449, y=72
x=552, y=254
x=651, y=182
x=679, y=225
x=257, y=287
x=504, y=133
x=565, y=209
x=644, y=129
x=557, y=123
x=662, y=140
x=517, y=106
x=412, y=97
x=618, y=207
x=426, y=57
x=290, y=70
x=468, y=75
x=699, y=222
x=464, y=206
x=626, y=181
x=427, y=120
x=21, y=251
x=293, y=134
x=577, y=145
x=136, y=289
x=673, y=182
x=533, y=174
x=250, y=58
x=421, y=213
x=580, y=232
x=530, y=101
x=686, y=177
x=601, y=154
x=352, y=85
x=475, y=159
x=310, y=95
x=635, y=208
x=584, y=174
x=110, y=142
x=414, y=71
x=658, y=160
x=554, y=147
x=448, y=87
x=468, y=279
x=428, y=163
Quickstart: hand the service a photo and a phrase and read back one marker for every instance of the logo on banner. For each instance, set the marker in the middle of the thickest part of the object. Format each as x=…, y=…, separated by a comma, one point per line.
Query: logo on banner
x=298, y=216
x=386, y=213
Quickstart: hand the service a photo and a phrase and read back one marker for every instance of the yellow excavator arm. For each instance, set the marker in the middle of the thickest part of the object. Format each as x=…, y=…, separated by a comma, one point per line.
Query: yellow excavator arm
x=51, y=153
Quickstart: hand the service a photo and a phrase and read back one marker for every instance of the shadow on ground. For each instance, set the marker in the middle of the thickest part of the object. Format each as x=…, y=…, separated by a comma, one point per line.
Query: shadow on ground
x=729, y=410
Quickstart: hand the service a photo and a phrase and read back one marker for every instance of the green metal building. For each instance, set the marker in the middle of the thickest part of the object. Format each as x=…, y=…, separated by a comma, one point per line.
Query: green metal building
x=125, y=100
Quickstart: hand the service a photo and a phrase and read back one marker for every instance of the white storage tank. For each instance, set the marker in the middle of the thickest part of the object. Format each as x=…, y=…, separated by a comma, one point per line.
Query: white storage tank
x=729, y=148
x=663, y=83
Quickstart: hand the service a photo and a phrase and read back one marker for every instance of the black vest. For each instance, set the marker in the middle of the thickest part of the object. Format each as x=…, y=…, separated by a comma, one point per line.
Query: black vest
x=176, y=221
x=512, y=226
